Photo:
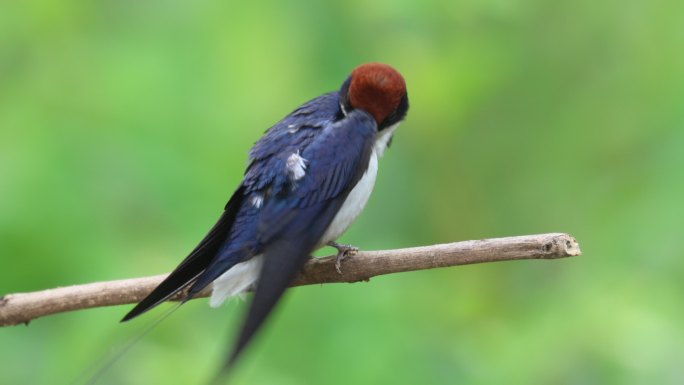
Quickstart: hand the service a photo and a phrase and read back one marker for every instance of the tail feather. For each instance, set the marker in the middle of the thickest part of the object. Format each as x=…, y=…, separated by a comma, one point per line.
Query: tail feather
x=195, y=263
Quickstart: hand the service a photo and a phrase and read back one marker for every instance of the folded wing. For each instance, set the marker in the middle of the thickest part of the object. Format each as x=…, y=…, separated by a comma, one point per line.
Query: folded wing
x=297, y=213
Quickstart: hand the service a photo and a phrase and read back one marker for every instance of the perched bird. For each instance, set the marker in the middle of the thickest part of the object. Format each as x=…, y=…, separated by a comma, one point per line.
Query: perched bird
x=308, y=178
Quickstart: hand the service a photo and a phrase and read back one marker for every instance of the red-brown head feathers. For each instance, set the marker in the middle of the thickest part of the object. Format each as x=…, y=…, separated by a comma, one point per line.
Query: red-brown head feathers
x=377, y=89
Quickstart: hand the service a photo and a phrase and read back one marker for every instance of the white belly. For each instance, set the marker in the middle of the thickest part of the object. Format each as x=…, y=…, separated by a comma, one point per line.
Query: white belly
x=354, y=204
x=358, y=197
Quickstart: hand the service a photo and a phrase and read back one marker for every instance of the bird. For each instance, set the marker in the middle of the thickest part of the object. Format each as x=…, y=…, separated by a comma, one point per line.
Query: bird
x=307, y=179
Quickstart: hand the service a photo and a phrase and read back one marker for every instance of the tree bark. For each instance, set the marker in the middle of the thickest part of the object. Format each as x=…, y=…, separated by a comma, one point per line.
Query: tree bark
x=23, y=307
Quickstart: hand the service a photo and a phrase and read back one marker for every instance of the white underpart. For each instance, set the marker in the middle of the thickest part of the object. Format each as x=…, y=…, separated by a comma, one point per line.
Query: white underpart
x=236, y=281
x=358, y=197
x=296, y=166
x=383, y=138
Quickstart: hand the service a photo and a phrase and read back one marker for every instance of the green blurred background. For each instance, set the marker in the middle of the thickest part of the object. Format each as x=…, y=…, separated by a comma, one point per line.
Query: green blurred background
x=124, y=127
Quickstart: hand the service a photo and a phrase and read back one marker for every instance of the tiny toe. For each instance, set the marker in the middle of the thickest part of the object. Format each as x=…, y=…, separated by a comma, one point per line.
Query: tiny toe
x=338, y=261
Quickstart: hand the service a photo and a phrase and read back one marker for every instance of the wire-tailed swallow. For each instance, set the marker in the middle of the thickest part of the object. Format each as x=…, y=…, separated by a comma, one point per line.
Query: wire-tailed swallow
x=308, y=178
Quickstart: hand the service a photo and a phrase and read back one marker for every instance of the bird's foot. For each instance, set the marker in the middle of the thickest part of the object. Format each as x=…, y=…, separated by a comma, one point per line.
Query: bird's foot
x=343, y=251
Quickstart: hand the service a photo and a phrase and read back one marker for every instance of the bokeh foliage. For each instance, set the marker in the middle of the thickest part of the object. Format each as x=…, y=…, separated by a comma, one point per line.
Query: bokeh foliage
x=124, y=127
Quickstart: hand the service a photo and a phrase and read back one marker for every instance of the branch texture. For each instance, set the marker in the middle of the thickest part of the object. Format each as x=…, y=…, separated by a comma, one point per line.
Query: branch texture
x=23, y=307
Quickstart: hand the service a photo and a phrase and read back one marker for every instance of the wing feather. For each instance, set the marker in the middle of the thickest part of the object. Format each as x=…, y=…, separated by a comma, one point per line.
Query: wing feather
x=297, y=215
x=195, y=263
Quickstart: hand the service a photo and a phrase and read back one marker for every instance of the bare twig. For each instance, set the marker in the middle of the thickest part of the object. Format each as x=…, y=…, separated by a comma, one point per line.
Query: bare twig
x=23, y=307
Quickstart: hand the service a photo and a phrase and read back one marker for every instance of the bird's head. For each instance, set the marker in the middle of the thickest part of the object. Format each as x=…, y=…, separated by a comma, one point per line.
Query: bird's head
x=377, y=89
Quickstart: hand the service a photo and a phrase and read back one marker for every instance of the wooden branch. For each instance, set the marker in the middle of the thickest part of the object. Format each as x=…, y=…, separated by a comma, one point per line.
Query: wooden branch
x=23, y=307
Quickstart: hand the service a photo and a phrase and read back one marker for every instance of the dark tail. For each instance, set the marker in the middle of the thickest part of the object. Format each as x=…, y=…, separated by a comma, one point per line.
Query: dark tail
x=284, y=256
x=195, y=263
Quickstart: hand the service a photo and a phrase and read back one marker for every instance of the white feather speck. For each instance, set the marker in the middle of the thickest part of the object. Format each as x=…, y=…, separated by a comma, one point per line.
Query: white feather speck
x=344, y=110
x=257, y=200
x=296, y=166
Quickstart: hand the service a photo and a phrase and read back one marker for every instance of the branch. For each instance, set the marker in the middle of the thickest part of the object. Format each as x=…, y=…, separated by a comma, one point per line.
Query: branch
x=23, y=307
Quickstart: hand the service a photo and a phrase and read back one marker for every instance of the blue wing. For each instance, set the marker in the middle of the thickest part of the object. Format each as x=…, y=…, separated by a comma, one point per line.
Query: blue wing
x=296, y=214
x=232, y=239
x=265, y=175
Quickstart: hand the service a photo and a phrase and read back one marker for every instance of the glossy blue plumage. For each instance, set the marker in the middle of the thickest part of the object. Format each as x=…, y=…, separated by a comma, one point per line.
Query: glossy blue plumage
x=298, y=177
x=337, y=154
x=293, y=214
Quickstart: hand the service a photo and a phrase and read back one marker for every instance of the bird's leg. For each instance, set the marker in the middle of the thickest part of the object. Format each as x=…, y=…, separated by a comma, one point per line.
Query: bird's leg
x=343, y=251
